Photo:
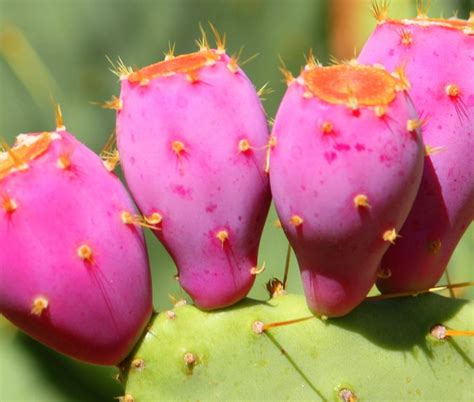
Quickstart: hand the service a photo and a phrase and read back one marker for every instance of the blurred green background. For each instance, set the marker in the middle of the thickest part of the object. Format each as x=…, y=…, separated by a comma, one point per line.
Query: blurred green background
x=55, y=49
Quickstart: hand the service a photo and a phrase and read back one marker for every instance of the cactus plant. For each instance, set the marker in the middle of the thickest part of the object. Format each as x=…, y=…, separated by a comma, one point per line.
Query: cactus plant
x=344, y=173
x=188, y=355
x=73, y=274
x=192, y=132
x=436, y=53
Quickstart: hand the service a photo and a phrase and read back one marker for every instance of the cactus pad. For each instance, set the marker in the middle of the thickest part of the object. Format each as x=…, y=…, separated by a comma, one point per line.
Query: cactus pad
x=188, y=354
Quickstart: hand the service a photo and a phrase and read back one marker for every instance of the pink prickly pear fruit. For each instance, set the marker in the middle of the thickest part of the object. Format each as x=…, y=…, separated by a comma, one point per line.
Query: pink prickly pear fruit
x=73, y=269
x=192, y=136
x=344, y=173
x=438, y=56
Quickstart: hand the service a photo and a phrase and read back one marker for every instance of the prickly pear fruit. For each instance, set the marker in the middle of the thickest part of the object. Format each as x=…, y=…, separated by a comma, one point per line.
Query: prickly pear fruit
x=188, y=355
x=344, y=173
x=191, y=133
x=437, y=55
x=73, y=274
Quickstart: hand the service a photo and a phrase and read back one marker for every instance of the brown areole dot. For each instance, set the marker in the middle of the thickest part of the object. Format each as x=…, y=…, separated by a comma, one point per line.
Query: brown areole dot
x=39, y=305
x=296, y=220
x=85, y=253
x=177, y=147
x=137, y=364
x=327, y=127
x=9, y=204
x=361, y=201
x=390, y=235
x=346, y=395
x=223, y=236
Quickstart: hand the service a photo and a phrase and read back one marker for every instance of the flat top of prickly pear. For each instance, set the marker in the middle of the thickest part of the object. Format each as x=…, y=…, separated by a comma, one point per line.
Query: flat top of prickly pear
x=185, y=63
x=380, y=12
x=466, y=26
x=27, y=148
x=347, y=84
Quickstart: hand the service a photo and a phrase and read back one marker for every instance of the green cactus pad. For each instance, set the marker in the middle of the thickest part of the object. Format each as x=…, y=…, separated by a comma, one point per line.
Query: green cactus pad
x=384, y=350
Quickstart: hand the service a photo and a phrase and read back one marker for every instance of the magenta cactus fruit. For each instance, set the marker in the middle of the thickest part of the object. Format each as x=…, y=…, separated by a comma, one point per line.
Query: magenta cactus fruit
x=344, y=173
x=73, y=274
x=438, y=56
x=192, y=136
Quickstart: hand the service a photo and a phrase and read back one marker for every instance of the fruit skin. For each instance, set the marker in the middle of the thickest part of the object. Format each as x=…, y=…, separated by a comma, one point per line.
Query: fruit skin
x=98, y=307
x=316, y=174
x=312, y=360
x=179, y=146
x=435, y=58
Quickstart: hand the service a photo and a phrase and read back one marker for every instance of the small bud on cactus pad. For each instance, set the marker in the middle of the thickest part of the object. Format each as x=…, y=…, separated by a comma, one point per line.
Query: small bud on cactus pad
x=192, y=137
x=438, y=56
x=390, y=350
x=72, y=274
x=344, y=174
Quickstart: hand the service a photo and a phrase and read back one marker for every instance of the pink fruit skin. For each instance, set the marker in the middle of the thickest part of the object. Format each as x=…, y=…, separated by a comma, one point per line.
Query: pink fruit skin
x=211, y=185
x=316, y=177
x=96, y=310
x=444, y=207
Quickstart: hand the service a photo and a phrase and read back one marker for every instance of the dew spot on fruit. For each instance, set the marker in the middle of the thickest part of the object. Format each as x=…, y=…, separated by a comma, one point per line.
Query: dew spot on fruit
x=182, y=102
x=341, y=147
x=183, y=192
x=330, y=156
x=470, y=100
x=296, y=152
x=386, y=159
x=211, y=208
